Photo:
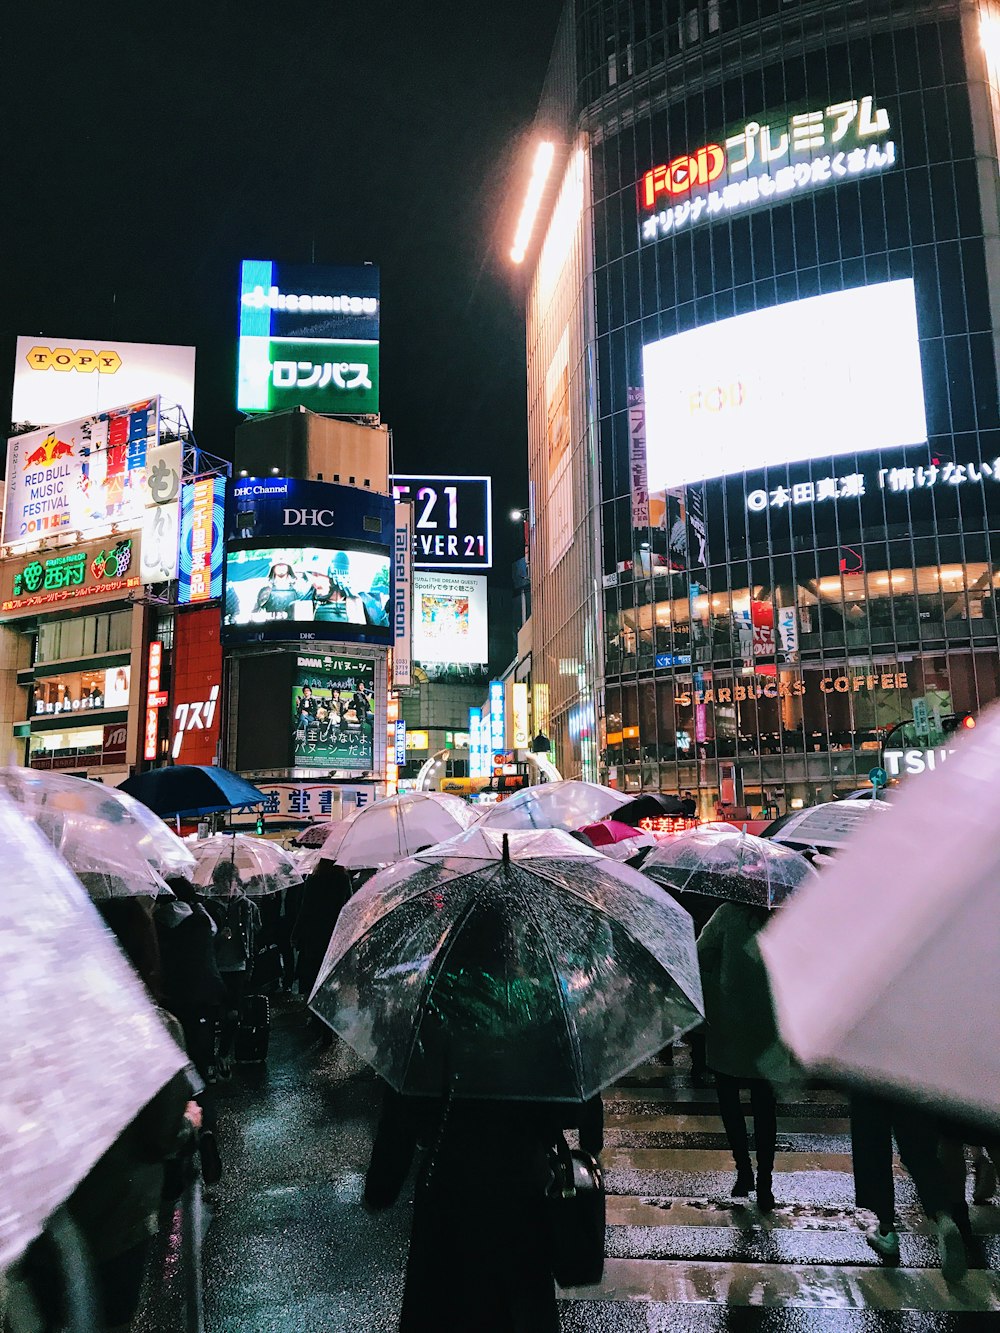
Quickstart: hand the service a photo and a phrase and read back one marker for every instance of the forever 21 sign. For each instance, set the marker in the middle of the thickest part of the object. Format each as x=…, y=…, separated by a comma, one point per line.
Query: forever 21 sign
x=452, y=520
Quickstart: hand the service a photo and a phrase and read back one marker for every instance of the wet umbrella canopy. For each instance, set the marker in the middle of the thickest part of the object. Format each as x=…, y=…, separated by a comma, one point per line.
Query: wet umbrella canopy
x=720, y=863
x=566, y=804
x=111, y=851
x=542, y=975
x=192, y=789
x=81, y=1047
x=395, y=828
x=258, y=867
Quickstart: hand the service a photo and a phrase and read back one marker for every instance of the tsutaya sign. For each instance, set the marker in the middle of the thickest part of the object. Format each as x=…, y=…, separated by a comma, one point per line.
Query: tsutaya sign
x=914, y=761
x=762, y=163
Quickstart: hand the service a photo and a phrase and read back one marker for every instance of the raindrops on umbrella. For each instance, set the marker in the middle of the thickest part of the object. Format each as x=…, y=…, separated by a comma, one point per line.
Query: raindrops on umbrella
x=238, y=860
x=509, y=965
x=728, y=864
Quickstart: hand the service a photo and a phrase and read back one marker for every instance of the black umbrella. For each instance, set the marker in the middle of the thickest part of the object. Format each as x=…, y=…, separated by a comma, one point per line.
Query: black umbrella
x=650, y=805
x=519, y=965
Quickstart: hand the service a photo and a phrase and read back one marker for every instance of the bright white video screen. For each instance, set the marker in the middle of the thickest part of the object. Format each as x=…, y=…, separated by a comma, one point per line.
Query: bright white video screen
x=827, y=375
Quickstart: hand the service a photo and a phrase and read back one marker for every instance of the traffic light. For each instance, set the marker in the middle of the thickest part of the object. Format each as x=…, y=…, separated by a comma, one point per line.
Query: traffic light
x=958, y=722
x=260, y=826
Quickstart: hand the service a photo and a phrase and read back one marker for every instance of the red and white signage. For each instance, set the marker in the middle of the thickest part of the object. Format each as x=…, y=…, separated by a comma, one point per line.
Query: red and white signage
x=197, y=685
x=155, y=699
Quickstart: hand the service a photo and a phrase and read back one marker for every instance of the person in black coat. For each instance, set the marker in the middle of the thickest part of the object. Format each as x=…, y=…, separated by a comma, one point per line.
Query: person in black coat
x=479, y=1249
x=193, y=988
x=324, y=894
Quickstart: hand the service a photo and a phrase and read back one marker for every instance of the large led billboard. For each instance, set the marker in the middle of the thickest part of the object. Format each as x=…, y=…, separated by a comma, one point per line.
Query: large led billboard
x=291, y=593
x=449, y=618
x=57, y=379
x=308, y=337
x=814, y=378
x=333, y=713
x=452, y=519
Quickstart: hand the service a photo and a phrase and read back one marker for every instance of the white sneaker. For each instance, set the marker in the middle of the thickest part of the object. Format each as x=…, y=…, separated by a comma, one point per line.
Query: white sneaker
x=885, y=1243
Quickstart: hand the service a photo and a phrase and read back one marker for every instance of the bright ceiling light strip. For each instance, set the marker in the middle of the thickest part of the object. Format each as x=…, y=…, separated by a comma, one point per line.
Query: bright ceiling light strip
x=539, y=175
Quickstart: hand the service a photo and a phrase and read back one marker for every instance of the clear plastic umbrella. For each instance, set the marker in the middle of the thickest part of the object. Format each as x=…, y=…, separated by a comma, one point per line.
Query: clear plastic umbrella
x=257, y=866
x=830, y=825
x=116, y=846
x=393, y=829
x=723, y=863
x=566, y=804
x=81, y=1047
x=521, y=965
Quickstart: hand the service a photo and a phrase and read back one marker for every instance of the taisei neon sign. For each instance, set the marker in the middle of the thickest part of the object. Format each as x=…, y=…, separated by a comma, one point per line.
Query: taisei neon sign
x=760, y=163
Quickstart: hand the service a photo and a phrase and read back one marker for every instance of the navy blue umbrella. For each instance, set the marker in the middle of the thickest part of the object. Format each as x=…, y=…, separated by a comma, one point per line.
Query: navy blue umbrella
x=192, y=789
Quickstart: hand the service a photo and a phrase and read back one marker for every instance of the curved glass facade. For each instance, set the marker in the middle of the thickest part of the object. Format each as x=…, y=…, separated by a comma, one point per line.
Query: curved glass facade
x=828, y=602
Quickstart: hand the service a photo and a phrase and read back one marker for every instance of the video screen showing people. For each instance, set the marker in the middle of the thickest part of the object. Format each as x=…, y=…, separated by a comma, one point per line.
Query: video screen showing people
x=333, y=713
x=329, y=586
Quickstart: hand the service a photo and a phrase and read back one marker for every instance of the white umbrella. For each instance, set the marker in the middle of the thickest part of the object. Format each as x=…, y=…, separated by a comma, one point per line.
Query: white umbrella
x=831, y=825
x=566, y=804
x=81, y=1047
x=116, y=846
x=393, y=829
x=885, y=969
x=258, y=866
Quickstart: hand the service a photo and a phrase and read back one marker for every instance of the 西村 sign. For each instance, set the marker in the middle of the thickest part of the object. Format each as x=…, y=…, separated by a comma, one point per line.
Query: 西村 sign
x=758, y=163
x=308, y=337
x=57, y=379
x=452, y=520
x=95, y=570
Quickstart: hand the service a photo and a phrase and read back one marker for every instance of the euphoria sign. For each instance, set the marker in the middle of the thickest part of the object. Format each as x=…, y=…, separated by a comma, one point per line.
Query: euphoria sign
x=758, y=163
x=452, y=520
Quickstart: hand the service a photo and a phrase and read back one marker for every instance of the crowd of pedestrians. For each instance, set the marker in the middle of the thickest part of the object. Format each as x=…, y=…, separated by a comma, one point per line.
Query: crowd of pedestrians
x=204, y=958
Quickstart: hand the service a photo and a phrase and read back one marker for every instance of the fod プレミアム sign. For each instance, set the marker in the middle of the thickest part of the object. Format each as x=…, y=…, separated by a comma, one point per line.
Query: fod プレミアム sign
x=773, y=157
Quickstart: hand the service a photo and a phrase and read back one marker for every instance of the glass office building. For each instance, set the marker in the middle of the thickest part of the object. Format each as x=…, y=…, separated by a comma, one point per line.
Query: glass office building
x=782, y=387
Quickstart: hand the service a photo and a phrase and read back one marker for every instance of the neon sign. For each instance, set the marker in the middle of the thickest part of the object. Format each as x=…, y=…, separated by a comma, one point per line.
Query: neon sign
x=760, y=163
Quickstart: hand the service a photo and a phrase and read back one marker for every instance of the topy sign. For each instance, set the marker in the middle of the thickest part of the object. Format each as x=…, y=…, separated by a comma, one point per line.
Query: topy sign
x=760, y=163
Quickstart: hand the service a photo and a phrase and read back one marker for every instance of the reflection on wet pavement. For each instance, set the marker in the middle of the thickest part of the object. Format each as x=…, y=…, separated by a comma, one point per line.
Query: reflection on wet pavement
x=291, y=1250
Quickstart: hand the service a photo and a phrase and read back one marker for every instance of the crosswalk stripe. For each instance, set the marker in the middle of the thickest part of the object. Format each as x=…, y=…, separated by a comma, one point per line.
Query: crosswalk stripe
x=792, y=1285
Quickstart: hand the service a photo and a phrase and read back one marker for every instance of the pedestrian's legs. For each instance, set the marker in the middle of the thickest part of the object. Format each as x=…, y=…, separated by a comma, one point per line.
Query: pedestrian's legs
x=916, y=1135
x=765, y=1134
x=727, y=1090
x=871, y=1148
x=951, y=1157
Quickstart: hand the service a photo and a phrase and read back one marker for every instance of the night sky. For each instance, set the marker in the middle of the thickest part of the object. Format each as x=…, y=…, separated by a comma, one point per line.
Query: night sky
x=151, y=148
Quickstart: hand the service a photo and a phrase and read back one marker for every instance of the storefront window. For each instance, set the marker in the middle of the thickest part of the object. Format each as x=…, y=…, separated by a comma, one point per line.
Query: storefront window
x=76, y=691
x=83, y=636
x=48, y=746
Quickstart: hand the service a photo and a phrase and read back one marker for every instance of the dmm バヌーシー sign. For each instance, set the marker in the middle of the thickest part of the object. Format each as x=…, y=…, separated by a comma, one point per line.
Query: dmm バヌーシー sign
x=308, y=338
x=770, y=158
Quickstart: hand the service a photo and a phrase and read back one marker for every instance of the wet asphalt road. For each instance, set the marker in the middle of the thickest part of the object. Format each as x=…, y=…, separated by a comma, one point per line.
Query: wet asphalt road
x=291, y=1249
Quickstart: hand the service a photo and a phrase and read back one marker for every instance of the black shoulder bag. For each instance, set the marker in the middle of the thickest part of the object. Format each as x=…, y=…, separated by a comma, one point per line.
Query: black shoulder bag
x=576, y=1216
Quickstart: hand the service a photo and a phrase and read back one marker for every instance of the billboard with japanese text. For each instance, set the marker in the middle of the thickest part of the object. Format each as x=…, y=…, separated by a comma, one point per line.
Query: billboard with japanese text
x=195, y=687
x=81, y=475
x=201, y=546
x=450, y=622
x=308, y=337
x=57, y=379
x=70, y=576
x=814, y=378
x=333, y=713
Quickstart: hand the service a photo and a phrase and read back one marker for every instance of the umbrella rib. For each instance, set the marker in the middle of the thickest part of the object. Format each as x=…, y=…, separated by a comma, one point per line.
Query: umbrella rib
x=570, y=1024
